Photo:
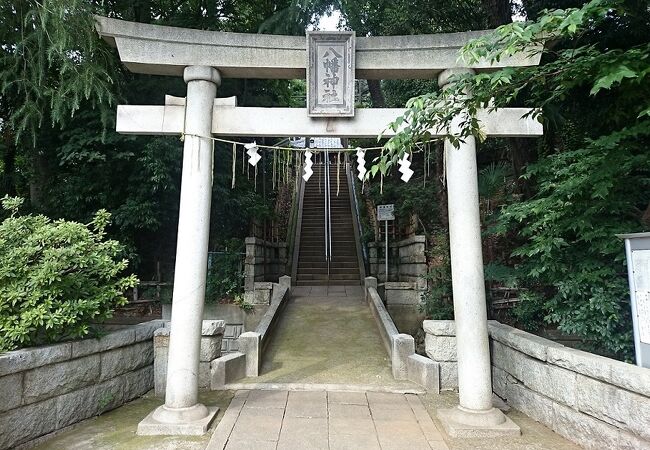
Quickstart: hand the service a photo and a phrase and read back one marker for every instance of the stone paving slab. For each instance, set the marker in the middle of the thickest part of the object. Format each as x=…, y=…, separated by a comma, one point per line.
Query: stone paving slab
x=294, y=420
x=327, y=291
x=115, y=430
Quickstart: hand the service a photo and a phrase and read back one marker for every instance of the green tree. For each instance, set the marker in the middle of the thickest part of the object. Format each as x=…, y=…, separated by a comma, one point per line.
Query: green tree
x=591, y=179
x=59, y=86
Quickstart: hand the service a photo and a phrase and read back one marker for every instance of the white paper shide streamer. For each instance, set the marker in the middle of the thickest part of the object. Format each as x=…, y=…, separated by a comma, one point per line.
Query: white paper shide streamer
x=405, y=167
x=308, y=163
x=251, y=151
x=361, y=163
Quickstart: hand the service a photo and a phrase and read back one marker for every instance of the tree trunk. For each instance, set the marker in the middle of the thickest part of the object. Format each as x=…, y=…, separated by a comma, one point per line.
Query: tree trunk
x=38, y=180
x=376, y=94
x=645, y=218
x=9, y=169
x=441, y=184
x=142, y=11
x=521, y=155
x=498, y=12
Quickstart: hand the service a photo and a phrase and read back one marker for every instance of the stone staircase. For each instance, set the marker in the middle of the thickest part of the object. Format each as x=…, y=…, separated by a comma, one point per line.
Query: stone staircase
x=312, y=266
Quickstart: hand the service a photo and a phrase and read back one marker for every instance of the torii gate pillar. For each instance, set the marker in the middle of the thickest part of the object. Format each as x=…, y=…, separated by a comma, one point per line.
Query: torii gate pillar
x=474, y=416
x=182, y=413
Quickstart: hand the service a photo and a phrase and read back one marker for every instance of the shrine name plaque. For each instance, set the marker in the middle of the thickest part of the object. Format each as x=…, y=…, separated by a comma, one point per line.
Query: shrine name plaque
x=330, y=73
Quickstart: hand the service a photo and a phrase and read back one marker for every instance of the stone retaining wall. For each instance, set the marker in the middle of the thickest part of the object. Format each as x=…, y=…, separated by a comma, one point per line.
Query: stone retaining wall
x=406, y=259
x=44, y=389
x=594, y=401
x=407, y=265
x=265, y=261
x=211, y=336
x=237, y=319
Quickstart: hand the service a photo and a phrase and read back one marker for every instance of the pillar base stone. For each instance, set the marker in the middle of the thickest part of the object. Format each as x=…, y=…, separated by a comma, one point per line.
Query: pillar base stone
x=192, y=421
x=460, y=422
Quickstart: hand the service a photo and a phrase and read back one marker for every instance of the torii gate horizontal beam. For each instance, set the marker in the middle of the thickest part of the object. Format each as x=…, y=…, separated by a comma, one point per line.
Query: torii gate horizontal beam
x=161, y=50
x=289, y=122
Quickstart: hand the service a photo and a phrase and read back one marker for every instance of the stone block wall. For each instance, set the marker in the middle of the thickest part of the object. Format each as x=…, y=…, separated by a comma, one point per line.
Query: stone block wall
x=44, y=389
x=265, y=261
x=594, y=401
x=211, y=335
x=406, y=260
x=407, y=265
x=237, y=319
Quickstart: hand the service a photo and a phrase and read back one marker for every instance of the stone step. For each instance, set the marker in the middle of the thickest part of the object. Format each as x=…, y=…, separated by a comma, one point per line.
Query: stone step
x=318, y=245
x=316, y=222
x=340, y=264
x=336, y=260
x=324, y=277
x=333, y=271
x=326, y=283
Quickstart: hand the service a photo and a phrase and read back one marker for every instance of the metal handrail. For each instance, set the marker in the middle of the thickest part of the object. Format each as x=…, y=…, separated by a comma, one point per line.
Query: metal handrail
x=357, y=215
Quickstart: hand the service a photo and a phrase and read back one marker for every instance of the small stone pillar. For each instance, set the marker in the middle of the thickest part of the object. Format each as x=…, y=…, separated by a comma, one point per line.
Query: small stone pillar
x=182, y=413
x=474, y=416
x=249, y=345
x=285, y=281
x=368, y=282
x=250, y=264
x=403, y=346
x=211, y=337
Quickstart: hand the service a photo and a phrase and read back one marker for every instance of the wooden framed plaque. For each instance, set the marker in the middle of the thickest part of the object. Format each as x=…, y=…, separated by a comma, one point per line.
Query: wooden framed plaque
x=330, y=73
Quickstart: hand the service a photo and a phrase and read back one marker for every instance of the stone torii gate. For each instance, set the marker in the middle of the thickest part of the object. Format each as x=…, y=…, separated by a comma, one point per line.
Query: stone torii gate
x=203, y=58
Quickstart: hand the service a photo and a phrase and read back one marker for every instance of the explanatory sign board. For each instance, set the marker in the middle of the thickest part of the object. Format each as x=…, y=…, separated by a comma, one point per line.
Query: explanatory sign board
x=385, y=212
x=637, y=250
x=641, y=275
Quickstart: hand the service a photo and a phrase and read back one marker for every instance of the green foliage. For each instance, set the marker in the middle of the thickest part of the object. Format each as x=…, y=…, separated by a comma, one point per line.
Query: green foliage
x=400, y=17
x=239, y=301
x=591, y=178
x=500, y=273
x=570, y=252
x=52, y=62
x=225, y=276
x=409, y=198
x=566, y=70
x=437, y=301
x=56, y=277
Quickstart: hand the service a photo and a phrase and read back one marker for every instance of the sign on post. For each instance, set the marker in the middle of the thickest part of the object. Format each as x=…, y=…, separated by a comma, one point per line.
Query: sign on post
x=386, y=213
x=637, y=251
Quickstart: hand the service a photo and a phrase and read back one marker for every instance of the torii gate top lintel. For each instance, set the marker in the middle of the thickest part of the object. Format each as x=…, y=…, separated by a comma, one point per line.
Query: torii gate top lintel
x=163, y=50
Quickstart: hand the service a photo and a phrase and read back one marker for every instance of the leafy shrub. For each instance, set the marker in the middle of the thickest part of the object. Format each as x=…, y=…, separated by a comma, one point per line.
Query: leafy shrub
x=56, y=277
x=225, y=276
x=437, y=303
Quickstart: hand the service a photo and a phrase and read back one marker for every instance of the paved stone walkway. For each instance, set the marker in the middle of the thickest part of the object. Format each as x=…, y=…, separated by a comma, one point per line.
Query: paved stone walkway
x=306, y=420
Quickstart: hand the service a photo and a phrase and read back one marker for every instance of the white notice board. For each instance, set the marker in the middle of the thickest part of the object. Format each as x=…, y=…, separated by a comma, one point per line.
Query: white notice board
x=385, y=212
x=637, y=251
x=641, y=277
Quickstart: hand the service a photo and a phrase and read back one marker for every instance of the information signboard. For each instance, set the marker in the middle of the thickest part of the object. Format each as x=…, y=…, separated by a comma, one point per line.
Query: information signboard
x=637, y=250
x=385, y=212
